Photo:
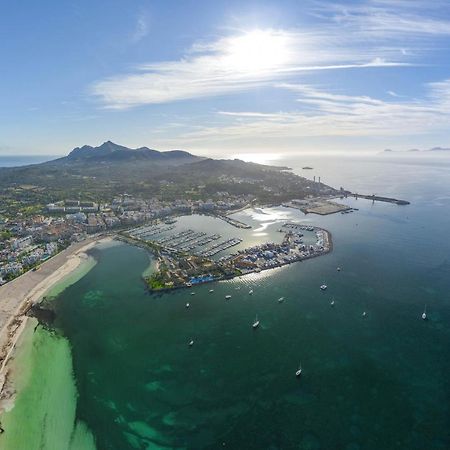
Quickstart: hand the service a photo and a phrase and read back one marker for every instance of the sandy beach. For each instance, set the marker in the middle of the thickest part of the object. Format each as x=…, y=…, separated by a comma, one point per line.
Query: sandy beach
x=17, y=296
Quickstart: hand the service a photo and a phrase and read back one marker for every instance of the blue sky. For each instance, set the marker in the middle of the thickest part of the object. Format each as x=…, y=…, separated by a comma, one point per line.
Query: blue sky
x=225, y=77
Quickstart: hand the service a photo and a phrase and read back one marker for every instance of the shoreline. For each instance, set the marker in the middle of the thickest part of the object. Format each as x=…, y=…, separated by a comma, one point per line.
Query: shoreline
x=17, y=297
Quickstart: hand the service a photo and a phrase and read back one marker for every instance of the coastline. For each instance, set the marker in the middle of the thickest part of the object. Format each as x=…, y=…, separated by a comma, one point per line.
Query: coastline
x=19, y=295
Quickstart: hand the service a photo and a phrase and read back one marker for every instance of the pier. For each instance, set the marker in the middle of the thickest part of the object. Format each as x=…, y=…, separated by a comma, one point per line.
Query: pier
x=377, y=198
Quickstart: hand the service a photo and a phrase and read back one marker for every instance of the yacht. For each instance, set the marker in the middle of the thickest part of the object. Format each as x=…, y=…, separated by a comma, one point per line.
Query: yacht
x=424, y=314
x=281, y=299
x=299, y=371
x=256, y=323
x=227, y=297
x=323, y=287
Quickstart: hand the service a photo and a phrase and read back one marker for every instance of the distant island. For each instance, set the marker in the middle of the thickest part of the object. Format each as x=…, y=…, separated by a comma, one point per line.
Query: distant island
x=416, y=150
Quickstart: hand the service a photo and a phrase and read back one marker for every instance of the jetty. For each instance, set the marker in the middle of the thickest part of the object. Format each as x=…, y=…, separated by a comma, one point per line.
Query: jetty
x=377, y=198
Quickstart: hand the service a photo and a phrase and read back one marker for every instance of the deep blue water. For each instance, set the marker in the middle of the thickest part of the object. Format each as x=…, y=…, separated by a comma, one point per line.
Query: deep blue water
x=374, y=382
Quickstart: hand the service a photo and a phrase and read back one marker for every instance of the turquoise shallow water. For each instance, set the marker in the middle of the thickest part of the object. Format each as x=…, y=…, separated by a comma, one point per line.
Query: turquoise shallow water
x=374, y=382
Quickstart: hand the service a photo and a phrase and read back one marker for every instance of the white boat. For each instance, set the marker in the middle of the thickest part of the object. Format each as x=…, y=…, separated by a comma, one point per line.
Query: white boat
x=256, y=323
x=364, y=314
x=187, y=305
x=250, y=291
x=424, y=314
x=191, y=342
x=281, y=299
x=323, y=287
x=332, y=302
x=211, y=290
x=338, y=269
x=227, y=297
x=192, y=293
x=299, y=371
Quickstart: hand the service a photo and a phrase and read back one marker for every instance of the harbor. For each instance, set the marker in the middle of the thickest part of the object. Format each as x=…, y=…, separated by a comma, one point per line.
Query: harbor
x=192, y=256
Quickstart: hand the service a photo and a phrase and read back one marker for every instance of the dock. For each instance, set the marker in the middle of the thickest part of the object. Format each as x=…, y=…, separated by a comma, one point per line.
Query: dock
x=377, y=198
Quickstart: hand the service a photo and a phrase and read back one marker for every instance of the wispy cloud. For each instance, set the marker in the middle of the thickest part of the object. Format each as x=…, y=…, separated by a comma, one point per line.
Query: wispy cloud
x=241, y=62
x=360, y=35
x=141, y=29
x=324, y=113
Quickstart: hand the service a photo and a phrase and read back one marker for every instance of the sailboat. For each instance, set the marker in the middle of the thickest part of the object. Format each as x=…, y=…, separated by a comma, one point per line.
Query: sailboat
x=256, y=323
x=424, y=314
x=299, y=371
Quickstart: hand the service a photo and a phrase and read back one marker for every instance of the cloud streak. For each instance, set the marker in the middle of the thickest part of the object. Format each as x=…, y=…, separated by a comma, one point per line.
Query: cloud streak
x=239, y=63
x=334, y=114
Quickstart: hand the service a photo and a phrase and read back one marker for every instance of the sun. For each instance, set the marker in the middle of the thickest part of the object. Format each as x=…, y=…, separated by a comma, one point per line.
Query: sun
x=256, y=51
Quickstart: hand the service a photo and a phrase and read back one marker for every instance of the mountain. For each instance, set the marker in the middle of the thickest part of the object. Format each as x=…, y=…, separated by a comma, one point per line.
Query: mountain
x=111, y=152
x=100, y=173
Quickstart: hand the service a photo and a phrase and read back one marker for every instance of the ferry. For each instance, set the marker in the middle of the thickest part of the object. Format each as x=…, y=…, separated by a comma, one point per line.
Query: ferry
x=323, y=287
x=256, y=323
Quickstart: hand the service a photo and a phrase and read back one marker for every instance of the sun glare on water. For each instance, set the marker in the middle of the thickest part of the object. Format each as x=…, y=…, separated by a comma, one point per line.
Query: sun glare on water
x=257, y=51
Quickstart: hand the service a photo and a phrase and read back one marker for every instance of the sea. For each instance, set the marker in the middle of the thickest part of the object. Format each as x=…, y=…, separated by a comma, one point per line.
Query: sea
x=23, y=160
x=115, y=371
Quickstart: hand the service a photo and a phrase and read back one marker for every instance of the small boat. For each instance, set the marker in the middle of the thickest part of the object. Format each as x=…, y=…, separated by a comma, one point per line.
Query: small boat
x=227, y=297
x=298, y=373
x=211, y=290
x=323, y=287
x=338, y=269
x=187, y=305
x=332, y=302
x=191, y=342
x=256, y=323
x=250, y=291
x=192, y=293
x=281, y=300
x=424, y=314
x=364, y=314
